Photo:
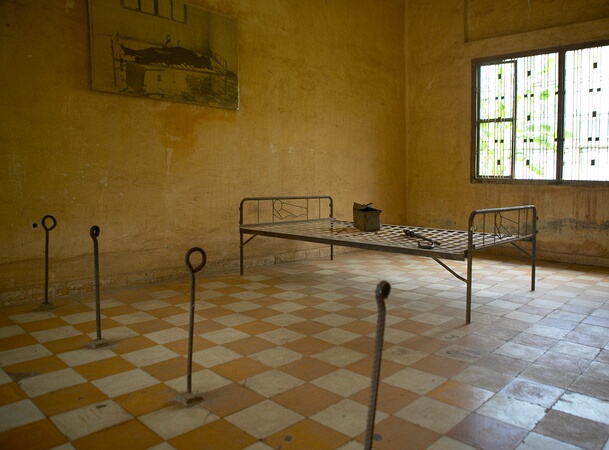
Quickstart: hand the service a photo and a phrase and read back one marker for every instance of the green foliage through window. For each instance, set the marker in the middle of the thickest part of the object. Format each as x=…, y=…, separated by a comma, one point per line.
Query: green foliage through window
x=543, y=116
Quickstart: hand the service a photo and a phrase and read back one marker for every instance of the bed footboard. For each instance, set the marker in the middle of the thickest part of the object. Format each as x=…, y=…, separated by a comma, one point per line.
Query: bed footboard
x=264, y=210
x=496, y=226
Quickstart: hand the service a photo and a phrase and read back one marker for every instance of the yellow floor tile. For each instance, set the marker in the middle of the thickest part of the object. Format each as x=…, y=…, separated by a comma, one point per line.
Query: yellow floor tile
x=20, y=340
x=308, y=368
x=46, y=324
x=132, y=344
x=132, y=435
x=230, y=399
x=438, y=365
x=67, y=344
x=425, y=344
x=364, y=344
x=177, y=300
x=360, y=327
x=21, y=308
x=68, y=399
x=217, y=311
x=460, y=395
x=218, y=435
x=120, y=311
x=390, y=399
x=103, y=368
x=181, y=346
x=5, y=321
x=40, y=365
x=10, y=392
x=38, y=435
x=72, y=308
x=256, y=327
x=308, y=328
x=147, y=400
x=393, y=433
x=240, y=369
x=307, y=435
x=308, y=345
x=170, y=369
x=91, y=326
x=149, y=326
x=168, y=311
x=249, y=345
x=307, y=399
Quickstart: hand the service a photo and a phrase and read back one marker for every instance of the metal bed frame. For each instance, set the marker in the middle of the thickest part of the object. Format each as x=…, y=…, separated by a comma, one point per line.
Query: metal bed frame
x=311, y=219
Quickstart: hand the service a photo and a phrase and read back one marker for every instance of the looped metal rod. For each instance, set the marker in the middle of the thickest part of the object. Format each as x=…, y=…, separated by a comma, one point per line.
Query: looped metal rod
x=382, y=292
x=189, y=399
x=94, y=232
x=44, y=225
x=99, y=342
x=45, y=306
x=192, y=269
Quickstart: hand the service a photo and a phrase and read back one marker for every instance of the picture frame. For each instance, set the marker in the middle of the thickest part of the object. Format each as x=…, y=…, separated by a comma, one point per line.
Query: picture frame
x=164, y=49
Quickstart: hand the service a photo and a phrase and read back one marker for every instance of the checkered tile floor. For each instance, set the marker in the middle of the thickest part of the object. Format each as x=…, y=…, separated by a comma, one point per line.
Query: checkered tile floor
x=283, y=358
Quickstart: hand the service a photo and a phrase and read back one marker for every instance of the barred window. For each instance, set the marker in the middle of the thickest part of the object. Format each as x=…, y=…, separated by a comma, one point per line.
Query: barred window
x=542, y=116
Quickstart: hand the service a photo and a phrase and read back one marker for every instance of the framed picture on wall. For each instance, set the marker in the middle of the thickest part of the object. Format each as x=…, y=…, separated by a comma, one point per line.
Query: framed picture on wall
x=164, y=49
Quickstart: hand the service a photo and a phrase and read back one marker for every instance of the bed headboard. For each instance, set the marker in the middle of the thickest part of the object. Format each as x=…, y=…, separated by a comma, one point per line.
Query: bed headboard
x=259, y=210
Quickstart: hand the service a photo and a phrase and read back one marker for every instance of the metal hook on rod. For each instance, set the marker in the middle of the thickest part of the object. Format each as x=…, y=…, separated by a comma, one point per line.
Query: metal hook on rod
x=99, y=342
x=382, y=292
x=188, y=398
x=46, y=305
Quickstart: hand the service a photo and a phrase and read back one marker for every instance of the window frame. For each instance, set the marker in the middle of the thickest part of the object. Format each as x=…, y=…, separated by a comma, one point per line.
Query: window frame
x=475, y=110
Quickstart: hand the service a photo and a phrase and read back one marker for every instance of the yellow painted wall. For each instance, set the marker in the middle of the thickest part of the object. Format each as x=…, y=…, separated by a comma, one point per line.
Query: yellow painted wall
x=322, y=112
x=443, y=36
x=362, y=100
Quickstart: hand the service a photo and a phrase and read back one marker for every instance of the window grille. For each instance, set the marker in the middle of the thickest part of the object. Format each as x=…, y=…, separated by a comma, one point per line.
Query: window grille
x=543, y=116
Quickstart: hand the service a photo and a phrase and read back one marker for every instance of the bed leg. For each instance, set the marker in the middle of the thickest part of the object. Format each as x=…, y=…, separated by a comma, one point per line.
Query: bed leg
x=533, y=264
x=241, y=253
x=534, y=252
x=468, y=298
x=331, y=253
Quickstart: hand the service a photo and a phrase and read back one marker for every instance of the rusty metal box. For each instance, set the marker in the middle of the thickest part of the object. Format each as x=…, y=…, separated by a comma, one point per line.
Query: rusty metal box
x=366, y=218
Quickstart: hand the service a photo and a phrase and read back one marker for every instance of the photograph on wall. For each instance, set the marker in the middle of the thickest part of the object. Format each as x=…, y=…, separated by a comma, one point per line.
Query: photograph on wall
x=164, y=49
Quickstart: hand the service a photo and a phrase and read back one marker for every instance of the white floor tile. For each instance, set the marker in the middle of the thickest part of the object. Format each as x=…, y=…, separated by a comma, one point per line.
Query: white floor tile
x=85, y=355
x=89, y=419
x=346, y=417
x=177, y=419
x=271, y=383
x=414, y=380
x=54, y=334
x=11, y=330
x=201, y=382
x=214, y=356
x=584, y=406
x=22, y=354
x=19, y=413
x=433, y=415
x=124, y=382
x=276, y=356
x=150, y=355
x=264, y=419
x=515, y=412
x=167, y=335
x=340, y=356
x=343, y=382
x=138, y=317
x=50, y=382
